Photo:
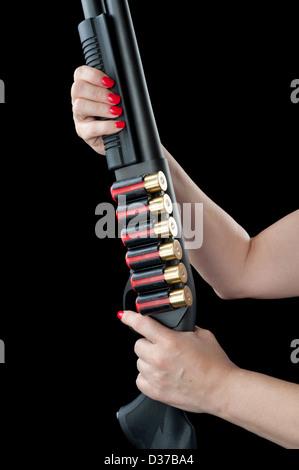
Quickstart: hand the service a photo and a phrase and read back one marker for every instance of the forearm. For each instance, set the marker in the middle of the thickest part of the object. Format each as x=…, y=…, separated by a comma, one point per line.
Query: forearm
x=222, y=256
x=263, y=405
x=235, y=265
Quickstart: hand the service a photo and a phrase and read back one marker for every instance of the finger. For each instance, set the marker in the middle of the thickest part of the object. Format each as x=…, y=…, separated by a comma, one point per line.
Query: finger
x=84, y=108
x=145, y=369
x=95, y=129
x=143, y=349
x=94, y=76
x=143, y=384
x=90, y=92
x=146, y=326
x=148, y=389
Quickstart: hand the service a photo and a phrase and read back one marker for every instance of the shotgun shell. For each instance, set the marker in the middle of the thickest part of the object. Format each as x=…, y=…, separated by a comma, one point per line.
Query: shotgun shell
x=165, y=229
x=158, y=278
x=163, y=301
x=171, y=251
x=153, y=255
x=175, y=274
x=181, y=297
x=144, y=256
x=130, y=188
x=138, y=186
x=155, y=183
x=158, y=205
x=126, y=212
x=161, y=205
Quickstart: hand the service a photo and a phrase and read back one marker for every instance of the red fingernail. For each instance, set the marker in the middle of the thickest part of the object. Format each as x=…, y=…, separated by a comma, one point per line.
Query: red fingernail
x=120, y=314
x=108, y=82
x=120, y=124
x=116, y=110
x=113, y=98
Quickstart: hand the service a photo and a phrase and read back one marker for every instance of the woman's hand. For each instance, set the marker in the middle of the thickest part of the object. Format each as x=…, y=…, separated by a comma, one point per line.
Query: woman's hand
x=91, y=99
x=186, y=370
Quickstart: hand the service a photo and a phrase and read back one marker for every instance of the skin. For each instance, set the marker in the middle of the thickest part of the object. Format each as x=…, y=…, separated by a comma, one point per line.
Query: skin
x=234, y=264
x=90, y=99
x=190, y=370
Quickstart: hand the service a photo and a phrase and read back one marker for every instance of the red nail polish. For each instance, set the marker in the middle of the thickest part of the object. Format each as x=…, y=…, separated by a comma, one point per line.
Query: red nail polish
x=113, y=98
x=116, y=110
x=120, y=124
x=108, y=82
x=120, y=314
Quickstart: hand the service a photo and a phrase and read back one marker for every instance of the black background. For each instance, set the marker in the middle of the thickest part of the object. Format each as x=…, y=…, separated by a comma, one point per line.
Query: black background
x=219, y=80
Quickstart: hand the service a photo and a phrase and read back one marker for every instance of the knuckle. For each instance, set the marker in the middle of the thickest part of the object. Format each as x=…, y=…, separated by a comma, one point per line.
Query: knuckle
x=78, y=128
x=140, y=382
x=78, y=106
x=136, y=347
x=138, y=320
x=157, y=394
x=209, y=335
x=107, y=128
x=78, y=72
x=158, y=361
x=100, y=94
x=73, y=91
x=88, y=74
x=139, y=364
x=147, y=388
x=103, y=109
x=77, y=88
x=171, y=341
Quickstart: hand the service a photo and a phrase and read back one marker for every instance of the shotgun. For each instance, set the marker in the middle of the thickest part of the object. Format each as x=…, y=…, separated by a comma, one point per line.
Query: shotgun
x=160, y=272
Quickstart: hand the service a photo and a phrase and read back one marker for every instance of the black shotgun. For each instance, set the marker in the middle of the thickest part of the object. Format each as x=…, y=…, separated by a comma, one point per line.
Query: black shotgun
x=160, y=271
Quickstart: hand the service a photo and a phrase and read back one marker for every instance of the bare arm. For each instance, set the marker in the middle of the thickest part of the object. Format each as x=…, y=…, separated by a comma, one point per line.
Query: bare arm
x=263, y=405
x=192, y=372
x=235, y=265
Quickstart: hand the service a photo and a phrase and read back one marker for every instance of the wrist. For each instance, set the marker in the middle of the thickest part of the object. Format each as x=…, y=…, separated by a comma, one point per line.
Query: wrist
x=221, y=399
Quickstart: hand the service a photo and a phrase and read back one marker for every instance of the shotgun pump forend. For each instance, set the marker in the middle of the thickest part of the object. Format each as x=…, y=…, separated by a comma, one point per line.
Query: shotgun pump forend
x=160, y=272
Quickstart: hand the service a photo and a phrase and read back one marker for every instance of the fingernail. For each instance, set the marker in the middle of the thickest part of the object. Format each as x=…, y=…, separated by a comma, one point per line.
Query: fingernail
x=120, y=124
x=120, y=314
x=113, y=98
x=108, y=82
x=116, y=110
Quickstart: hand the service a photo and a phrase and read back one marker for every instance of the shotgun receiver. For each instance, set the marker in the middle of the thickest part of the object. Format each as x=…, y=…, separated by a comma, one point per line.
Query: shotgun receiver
x=160, y=271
